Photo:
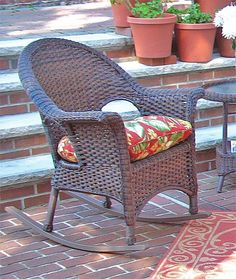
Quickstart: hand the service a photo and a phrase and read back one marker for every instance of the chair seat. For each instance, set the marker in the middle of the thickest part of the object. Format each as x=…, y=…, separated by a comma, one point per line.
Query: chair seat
x=146, y=136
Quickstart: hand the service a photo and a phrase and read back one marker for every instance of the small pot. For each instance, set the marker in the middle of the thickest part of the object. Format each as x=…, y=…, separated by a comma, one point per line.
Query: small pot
x=120, y=14
x=195, y=42
x=212, y=6
x=153, y=36
x=224, y=45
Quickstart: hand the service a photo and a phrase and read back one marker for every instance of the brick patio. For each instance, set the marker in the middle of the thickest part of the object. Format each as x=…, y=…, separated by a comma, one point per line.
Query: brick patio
x=25, y=254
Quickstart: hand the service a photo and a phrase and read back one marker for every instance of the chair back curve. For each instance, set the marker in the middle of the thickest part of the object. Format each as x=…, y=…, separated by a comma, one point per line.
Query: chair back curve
x=75, y=77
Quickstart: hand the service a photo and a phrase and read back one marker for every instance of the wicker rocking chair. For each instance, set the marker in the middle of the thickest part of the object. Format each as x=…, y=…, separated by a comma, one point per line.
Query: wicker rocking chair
x=70, y=83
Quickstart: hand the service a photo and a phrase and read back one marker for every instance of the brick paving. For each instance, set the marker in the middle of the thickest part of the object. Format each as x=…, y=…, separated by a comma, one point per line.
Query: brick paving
x=18, y=23
x=26, y=254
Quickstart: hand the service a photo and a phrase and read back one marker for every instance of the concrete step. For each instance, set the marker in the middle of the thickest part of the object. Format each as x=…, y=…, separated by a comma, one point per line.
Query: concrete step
x=25, y=124
x=9, y=80
x=14, y=126
x=100, y=41
x=23, y=135
x=25, y=170
x=34, y=168
x=112, y=44
x=14, y=100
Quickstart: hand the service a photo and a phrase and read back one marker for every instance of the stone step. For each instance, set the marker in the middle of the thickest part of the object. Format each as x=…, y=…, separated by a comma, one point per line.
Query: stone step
x=22, y=135
x=101, y=41
x=14, y=100
x=34, y=168
x=110, y=43
x=25, y=170
x=9, y=80
x=12, y=126
x=25, y=124
x=25, y=132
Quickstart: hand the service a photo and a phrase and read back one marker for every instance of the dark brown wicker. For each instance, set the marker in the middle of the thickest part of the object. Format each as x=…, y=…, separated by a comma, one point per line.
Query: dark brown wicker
x=70, y=83
x=221, y=91
x=225, y=92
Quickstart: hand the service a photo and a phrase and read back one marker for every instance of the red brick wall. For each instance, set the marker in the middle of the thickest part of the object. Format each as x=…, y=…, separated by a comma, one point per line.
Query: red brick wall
x=27, y=195
x=34, y=194
x=7, y=63
x=23, y=146
x=189, y=79
x=15, y=102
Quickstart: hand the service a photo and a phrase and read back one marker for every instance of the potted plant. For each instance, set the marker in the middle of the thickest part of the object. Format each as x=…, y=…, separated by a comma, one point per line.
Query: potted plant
x=121, y=10
x=211, y=6
x=195, y=34
x=225, y=20
x=152, y=29
x=120, y=13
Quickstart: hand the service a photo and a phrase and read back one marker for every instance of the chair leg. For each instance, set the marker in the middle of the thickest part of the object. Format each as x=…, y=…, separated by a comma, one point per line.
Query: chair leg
x=107, y=203
x=130, y=235
x=48, y=225
x=220, y=183
x=193, y=204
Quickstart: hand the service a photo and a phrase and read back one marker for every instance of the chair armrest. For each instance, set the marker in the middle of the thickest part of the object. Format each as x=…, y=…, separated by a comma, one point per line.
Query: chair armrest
x=95, y=135
x=61, y=116
x=180, y=103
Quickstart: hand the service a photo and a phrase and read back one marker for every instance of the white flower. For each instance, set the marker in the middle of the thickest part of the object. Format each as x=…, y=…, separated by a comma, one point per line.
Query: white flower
x=226, y=18
x=218, y=20
x=229, y=29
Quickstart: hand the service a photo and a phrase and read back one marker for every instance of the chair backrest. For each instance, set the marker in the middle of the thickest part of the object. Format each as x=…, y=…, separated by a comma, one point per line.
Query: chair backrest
x=75, y=77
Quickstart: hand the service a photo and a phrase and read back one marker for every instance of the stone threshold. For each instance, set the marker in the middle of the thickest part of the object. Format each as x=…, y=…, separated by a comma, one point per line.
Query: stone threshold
x=28, y=169
x=25, y=124
x=112, y=41
x=100, y=41
x=30, y=124
x=9, y=80
x=24, y=170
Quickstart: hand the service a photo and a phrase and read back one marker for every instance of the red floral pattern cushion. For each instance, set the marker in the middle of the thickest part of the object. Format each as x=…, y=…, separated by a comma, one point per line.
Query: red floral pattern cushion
x=149, y=135
x=146, y=136
x=66, y=150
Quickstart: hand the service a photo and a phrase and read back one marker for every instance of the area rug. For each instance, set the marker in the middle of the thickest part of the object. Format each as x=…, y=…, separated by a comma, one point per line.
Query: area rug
x=204, y=249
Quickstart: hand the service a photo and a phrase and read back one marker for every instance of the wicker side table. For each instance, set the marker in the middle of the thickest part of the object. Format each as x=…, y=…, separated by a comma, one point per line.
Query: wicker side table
x=225, y=160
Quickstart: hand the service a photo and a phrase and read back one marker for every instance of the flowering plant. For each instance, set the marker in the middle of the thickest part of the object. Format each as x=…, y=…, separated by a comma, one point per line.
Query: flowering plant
x=226, y=18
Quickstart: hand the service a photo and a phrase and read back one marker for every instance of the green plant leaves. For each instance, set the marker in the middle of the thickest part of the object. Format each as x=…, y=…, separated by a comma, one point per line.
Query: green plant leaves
x=150, y=9
x=190, y=15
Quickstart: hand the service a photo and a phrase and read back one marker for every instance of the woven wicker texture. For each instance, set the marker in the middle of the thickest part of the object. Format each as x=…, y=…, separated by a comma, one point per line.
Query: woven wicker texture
x=223, y=91
x=70, y=83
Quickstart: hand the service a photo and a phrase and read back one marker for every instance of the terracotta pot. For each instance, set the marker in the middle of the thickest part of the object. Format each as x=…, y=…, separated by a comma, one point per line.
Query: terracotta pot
x=120, y=13
x=195, y=41
x=153, y=36
x=211, y=6
x=224, y=45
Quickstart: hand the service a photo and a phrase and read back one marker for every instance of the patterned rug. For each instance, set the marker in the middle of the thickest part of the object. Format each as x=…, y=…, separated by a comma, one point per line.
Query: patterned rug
x=204, y=249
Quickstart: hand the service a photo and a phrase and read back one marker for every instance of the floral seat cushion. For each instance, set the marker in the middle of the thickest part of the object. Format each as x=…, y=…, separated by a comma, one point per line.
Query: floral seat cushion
x=146, y=136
